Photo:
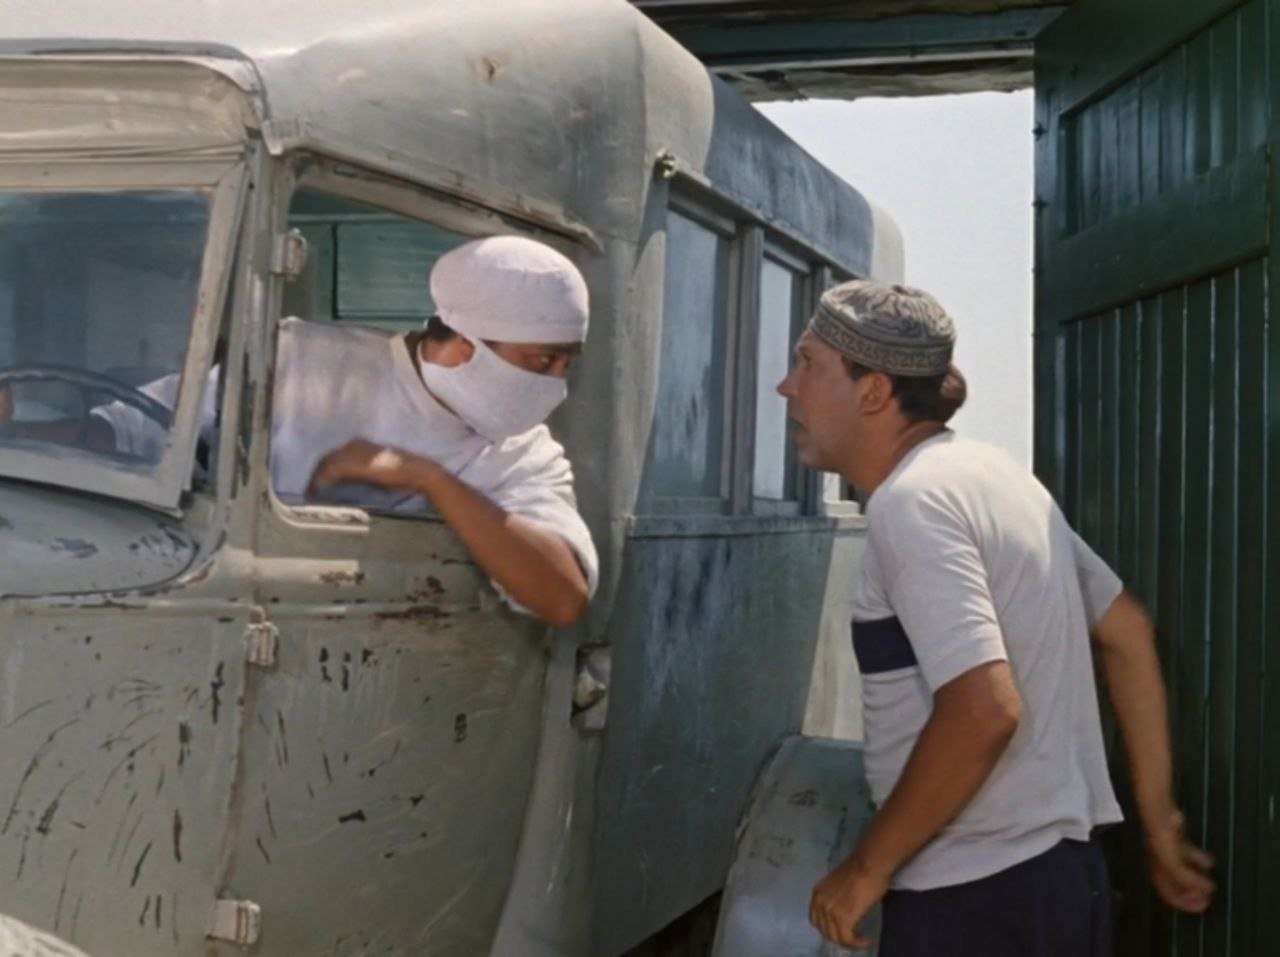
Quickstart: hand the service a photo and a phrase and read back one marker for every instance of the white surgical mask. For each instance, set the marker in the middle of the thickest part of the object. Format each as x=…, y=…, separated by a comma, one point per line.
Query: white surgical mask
x=491, y=395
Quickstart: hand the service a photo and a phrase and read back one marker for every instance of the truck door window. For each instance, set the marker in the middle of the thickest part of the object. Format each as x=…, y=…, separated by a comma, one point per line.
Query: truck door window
x=364, y=264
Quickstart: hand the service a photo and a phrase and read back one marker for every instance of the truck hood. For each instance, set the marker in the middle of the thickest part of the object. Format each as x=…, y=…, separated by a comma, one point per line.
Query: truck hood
x=56, y=542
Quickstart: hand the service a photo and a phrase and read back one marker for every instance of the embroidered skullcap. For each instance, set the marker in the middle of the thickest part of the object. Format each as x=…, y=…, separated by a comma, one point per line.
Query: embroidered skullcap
x=888, y=328
x=510, y=289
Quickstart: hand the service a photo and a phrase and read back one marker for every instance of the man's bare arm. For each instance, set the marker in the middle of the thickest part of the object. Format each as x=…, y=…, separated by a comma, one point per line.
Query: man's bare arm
x=974, y=717
x=535, y=567
x=1126, y=640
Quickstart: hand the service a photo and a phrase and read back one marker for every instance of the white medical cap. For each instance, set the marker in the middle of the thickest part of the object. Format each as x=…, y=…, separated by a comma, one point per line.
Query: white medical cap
x=510, y=289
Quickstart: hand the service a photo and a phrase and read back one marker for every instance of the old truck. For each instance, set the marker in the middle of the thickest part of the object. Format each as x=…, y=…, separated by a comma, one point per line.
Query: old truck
x=232, y=720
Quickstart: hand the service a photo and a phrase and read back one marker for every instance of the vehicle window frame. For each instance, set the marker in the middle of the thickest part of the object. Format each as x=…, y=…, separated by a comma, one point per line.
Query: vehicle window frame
x=706, y=214
x=753, y=240
x=160, y=485
x=341, y=178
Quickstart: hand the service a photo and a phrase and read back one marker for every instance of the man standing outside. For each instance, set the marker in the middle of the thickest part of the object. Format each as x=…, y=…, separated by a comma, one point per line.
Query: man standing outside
x=973, y=618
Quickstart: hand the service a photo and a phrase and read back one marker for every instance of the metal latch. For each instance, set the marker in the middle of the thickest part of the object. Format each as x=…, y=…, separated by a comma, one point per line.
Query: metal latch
x=261, y=640
x=289, y=254
x=666, y=164
x=239, y=922
x=591, y=687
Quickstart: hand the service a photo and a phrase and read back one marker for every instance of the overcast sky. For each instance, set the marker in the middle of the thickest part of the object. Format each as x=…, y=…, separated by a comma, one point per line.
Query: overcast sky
x=955, y=174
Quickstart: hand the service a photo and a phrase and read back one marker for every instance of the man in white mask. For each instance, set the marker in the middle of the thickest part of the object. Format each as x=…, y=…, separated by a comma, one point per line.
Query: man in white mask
x=450, y=417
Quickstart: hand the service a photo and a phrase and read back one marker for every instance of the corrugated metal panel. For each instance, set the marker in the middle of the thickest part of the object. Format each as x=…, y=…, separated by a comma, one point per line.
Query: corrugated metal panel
x=1164, y=428
x=1158, y=417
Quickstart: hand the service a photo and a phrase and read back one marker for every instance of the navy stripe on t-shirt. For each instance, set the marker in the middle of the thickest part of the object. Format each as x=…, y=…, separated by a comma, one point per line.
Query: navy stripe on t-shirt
x=882, y=645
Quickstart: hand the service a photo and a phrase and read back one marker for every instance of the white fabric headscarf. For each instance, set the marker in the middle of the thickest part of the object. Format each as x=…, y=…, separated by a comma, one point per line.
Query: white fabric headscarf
x=510, y=289
x=504, y=289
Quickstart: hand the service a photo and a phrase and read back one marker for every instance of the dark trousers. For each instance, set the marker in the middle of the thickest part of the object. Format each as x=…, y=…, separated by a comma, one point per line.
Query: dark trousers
x=1055, y=905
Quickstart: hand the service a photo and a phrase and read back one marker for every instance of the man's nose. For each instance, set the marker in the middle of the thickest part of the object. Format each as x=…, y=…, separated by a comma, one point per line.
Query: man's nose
x=784, y=387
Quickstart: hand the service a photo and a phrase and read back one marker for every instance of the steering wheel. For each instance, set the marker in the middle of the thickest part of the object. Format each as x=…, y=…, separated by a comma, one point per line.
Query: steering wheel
x=90, y=382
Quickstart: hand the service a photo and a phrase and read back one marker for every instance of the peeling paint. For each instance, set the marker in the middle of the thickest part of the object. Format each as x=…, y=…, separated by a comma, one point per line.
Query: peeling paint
x=76, y=547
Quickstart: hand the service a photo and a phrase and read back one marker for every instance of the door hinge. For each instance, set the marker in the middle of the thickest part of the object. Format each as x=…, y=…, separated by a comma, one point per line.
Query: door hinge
x=262, y=643
x=289, y=254
x=239, y=922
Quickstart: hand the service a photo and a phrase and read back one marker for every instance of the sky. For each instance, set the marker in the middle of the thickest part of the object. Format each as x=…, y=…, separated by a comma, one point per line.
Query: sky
x=955, y=174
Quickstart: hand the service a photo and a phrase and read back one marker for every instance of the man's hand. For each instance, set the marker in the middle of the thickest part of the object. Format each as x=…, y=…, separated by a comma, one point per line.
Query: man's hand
x=842, y=899
x=535, y=566
x=1127, y=640
x=1179, y=869
x=367, y=463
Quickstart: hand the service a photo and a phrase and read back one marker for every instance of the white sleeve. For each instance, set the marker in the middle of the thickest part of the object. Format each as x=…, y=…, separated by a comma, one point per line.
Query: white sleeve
x=139, y=435
x=135, y=433
x=1099, y=585
x=937, y=586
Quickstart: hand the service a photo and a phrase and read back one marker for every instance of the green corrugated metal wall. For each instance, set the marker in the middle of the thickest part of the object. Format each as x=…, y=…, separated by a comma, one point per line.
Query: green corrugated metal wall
x=1158, y=401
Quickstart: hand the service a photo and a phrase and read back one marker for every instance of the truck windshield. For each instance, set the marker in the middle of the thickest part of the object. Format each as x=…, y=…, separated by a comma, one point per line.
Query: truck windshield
x=97, y=295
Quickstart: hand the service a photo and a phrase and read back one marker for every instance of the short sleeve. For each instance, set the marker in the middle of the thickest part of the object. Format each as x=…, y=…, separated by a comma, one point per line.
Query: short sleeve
x=937, y=585
x=1099, y=585
x=530, y=476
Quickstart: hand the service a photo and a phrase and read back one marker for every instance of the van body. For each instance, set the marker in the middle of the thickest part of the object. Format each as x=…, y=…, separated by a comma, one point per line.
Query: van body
x=312, y=728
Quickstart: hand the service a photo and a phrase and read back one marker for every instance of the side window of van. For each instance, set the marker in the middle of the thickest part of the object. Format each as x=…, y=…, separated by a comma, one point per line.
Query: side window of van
x=736, y=296
x=691, y=428
x=784, y=295
x=364, y=264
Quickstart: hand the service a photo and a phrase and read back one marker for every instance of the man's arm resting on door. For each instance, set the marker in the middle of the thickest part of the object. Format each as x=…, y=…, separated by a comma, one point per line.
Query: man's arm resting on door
x=1127, y=642
x=974, y=717
x=536, y=567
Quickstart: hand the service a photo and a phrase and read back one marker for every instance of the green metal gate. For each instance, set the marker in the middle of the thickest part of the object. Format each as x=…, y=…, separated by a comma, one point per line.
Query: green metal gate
x=1158, y=401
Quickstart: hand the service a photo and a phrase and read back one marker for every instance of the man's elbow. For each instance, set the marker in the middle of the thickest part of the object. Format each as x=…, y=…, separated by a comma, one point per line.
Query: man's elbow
x=568, y=608
x=1003, y=718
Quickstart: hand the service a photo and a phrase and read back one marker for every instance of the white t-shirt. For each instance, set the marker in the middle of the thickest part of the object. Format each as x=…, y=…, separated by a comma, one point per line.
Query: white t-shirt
x=335, y=383
x=969, y=561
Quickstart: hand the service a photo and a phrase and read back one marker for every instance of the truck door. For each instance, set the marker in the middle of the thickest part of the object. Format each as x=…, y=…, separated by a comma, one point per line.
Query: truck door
x=389, y=752
x=1156, y=412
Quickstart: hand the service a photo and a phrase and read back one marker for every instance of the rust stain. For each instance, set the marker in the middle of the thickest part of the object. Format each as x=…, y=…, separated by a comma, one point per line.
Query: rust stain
x=216, y=687
x=137, y=868
x=806, y=798
x=430, y=612
x=342, y=578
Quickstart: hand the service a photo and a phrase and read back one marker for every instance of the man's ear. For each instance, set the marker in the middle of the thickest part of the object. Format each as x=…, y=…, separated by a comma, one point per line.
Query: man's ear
x=877, y=393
